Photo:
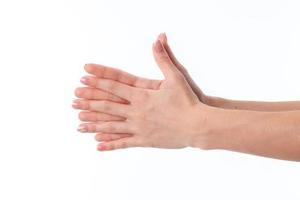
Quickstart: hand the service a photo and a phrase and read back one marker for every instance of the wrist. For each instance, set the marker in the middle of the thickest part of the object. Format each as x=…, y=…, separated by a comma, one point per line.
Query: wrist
x=204, y=135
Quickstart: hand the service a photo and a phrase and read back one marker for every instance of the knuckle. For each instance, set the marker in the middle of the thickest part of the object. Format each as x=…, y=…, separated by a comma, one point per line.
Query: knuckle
x=88, y=105
x=85, y=105
x=109, y=85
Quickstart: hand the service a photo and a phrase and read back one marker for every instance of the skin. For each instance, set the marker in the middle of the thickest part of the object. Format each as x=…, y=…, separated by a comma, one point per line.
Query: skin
x=129, y=111
x=151, y=115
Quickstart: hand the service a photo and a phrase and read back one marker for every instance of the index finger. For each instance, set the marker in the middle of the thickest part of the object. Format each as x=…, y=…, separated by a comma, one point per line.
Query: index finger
x=106, y=72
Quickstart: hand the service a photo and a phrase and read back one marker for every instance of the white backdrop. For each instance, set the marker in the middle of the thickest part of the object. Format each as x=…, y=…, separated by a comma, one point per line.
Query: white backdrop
x=240, y=49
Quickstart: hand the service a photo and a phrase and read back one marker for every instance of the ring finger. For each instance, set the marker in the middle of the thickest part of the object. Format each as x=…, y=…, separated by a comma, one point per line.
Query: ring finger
x=89, y=116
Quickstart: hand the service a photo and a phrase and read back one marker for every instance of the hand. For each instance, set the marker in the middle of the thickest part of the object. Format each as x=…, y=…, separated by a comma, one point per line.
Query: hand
x=126, y=78
x=201, y=96
x=168, y=115
x=129, y=79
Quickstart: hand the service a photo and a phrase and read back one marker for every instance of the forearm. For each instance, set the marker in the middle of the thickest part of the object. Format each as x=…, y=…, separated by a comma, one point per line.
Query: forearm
x=252, y=105
x=270, y=134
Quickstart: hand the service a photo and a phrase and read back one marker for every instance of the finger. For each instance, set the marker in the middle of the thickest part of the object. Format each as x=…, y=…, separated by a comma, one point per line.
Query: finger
x=118, y=144
x=122, y=90
x=89, y=116
x=163, y=60
x=163, y=38
x=104, y=127
x=102, y=71
x=96, y=94
x=107, y=107
x=105, y=137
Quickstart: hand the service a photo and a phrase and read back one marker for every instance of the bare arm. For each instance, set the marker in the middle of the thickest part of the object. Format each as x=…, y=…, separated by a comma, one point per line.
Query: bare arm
x=170, y=115
x=222, y=102
x=252, y=105
x=270, y=134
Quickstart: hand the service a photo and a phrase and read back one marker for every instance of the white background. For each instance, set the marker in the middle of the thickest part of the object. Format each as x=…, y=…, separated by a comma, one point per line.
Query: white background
x=239, y=49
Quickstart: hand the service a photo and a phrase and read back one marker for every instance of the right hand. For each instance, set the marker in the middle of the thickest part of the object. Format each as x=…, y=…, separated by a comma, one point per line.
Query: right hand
x=201, y=96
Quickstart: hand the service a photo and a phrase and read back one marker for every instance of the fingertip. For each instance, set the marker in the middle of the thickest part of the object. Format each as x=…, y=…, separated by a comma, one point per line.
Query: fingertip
x=101, y=147
x=76, y=104
x=78, y=92
x=82, y=128
x=85, y=80
x=88, y=67
x=163, y=38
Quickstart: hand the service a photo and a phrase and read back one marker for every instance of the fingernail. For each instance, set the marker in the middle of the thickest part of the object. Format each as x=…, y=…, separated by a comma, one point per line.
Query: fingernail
x=75, y=104
x=84, y=80
x=101, y=147
x=82, y=128
x=158, y=46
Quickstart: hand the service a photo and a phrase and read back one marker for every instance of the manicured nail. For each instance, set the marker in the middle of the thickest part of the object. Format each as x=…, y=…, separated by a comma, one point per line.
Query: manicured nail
x=158, y=46
x=101, y=147
x=84, y=80
x=82, y=128
x=75, y=104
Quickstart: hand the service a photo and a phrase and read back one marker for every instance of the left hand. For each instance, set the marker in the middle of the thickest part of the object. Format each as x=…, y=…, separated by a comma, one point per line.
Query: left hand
x=170, y=116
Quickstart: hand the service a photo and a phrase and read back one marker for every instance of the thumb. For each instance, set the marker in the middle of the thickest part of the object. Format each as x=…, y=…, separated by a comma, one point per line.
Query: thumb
x=163, y=38
x=163, y=60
